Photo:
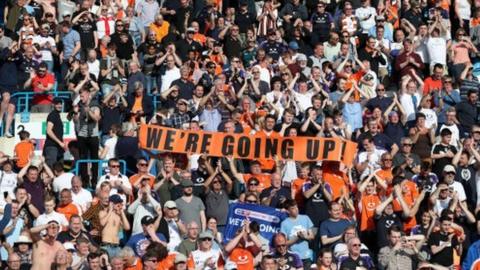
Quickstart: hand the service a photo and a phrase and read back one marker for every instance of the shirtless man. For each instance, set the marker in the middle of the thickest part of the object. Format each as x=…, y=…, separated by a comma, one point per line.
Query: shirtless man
x=113, y=220
x=44, y=250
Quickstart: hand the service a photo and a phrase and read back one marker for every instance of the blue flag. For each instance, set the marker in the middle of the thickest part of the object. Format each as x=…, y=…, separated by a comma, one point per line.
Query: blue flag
x=268, y=218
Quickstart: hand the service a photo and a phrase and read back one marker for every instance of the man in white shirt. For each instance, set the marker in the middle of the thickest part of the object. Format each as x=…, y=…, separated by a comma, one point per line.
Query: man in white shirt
x=49, y=215
x=119, y=182
x=366, y=15
x=80, y=196
x=62, y=179
x=47, y=45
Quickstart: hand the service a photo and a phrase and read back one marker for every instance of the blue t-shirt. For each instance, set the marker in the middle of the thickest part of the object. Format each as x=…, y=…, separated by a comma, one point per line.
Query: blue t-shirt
x=290, y=227
x=139, y=242
x=330, y=228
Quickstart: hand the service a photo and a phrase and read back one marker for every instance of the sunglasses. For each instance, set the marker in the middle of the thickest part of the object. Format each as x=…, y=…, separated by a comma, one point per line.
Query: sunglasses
x=380, y=89
x=114, y=166
x=253, y=184
x=119, y=25
x=356, y=245
x=281, y=246
x=206, y=239
x=450, y=173
x=407, y=144
x=387, y=159
x=142, y=164
x=216, y=182
x=477, y=131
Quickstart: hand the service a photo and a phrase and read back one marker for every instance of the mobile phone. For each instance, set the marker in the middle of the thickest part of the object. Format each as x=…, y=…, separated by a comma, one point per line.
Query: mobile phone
x=5, y=194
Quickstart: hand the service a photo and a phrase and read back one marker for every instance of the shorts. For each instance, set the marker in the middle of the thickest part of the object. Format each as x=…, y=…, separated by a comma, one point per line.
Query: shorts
x=11, y=91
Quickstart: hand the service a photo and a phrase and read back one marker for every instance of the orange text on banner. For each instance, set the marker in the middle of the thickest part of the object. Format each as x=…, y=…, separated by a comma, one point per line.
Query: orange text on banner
x=242, y=146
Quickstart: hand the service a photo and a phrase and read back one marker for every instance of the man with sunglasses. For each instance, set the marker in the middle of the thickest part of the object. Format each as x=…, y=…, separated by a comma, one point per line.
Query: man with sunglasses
x=284, y=257
x=41, y=81
x=119, y=182
x=204, y=257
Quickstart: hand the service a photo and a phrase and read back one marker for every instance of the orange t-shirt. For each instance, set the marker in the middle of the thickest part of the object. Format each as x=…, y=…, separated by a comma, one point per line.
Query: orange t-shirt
x=22, y=151
x=355, y=77
x=68, y=210
x=167, y=263
x=134, y=178
x=264, y=180
x=267, y=164
x=336, y=180
x=137, y=266
x=243, y=258
x=137, y=105
x=200, y=38
x=160, y=31
x=409, y=198
x=387, y=176
x=296, y=187
x=431, y=85
x=369, y=203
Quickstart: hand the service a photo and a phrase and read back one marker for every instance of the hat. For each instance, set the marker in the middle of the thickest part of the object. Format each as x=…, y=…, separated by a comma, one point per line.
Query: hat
x=293, y=45
x=66, y=13
x=230, y=266
x=115, y=198
x=57, y=100
x=53, y=221
x=449, y=168
x=180, y=258
x=206, y=234
x=243, y=3
x=23, y=239
x=147, y=220
x=191, y=29
x=170, y=205
x=68, y=246
x=45, y=26
x=187, y=183
x=217, y=44
x=380, y=18
x=301, y=57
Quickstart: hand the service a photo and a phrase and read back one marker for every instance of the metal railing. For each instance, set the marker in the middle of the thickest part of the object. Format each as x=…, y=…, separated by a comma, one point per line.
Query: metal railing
x=23, y=100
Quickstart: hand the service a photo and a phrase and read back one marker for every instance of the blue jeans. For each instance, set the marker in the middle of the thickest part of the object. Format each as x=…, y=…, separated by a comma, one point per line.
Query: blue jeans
x=151, y=83
x=112, y=250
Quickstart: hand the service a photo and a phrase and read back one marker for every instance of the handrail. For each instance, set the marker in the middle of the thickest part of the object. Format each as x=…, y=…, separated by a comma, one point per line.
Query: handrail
x=23, y=98
x=100, y=170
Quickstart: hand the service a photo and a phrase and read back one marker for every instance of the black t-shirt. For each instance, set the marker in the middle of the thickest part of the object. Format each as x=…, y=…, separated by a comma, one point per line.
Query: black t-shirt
x=316, y=207
x=24, y=69
x=244, y=21
x=440, y=163
x=466, y=176
x=233, y=47
x=67, y=237
x=183, y=47
x=280, y=196
x=87, y=37
x=186, y=88
x=351, y=264
x=198, y=178
x=78, y=77
x=54, y=118
x=111, y=116
x=445, y=256
x=383, y=223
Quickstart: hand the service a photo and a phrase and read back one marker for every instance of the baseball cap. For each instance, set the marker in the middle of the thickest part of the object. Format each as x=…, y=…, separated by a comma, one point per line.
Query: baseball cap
x=69, y=246
x=115, y=198
x=293, y=45
x=180, y=258
x=147, y=220
x=206, y=234
x=170, y=205
x=191, y=29
x=449, y=168
x=66, y=13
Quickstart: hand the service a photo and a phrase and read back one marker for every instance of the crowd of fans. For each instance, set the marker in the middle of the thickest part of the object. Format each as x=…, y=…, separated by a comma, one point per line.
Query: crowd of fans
x=400, y=78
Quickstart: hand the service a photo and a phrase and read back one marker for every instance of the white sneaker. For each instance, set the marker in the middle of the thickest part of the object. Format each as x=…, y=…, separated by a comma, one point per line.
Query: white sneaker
x=8, y=134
